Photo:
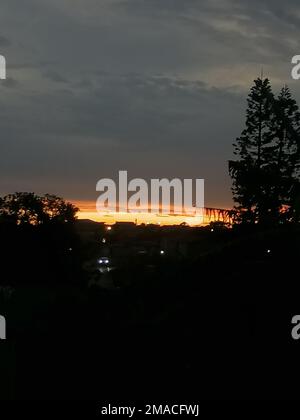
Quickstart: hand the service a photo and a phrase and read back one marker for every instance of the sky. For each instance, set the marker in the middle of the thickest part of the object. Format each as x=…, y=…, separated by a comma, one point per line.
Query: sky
x=154, y=87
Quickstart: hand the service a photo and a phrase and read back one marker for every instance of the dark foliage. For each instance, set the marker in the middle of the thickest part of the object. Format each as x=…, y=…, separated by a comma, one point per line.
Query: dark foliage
x=266, y=174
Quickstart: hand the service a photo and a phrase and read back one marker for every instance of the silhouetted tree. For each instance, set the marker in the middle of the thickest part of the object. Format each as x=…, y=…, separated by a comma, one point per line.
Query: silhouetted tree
x=21, y=208
x=38, y=241
x=255, y=148
x=28, y=208
x=287, y=156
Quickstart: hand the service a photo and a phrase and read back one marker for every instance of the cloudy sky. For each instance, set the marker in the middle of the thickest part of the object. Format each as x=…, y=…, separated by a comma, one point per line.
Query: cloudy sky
x=157, y=87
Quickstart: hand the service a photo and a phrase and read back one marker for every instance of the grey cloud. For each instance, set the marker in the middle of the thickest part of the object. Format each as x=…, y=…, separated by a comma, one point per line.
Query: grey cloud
x=54, y=76
x=129, y=116
x=4, y=42
x=157, y=87
x=10, y=82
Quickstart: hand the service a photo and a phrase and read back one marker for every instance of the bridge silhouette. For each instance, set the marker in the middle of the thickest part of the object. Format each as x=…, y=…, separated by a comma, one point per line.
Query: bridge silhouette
x=212, y=215
x=207, y=215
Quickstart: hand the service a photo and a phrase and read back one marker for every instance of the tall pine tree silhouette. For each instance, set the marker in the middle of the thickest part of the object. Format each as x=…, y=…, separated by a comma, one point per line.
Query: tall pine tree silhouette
x=266, y=176
x=251, y=174
x=287, y=157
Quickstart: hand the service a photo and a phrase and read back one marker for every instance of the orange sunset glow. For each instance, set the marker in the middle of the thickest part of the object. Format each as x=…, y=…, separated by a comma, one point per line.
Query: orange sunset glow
x=88, y=211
